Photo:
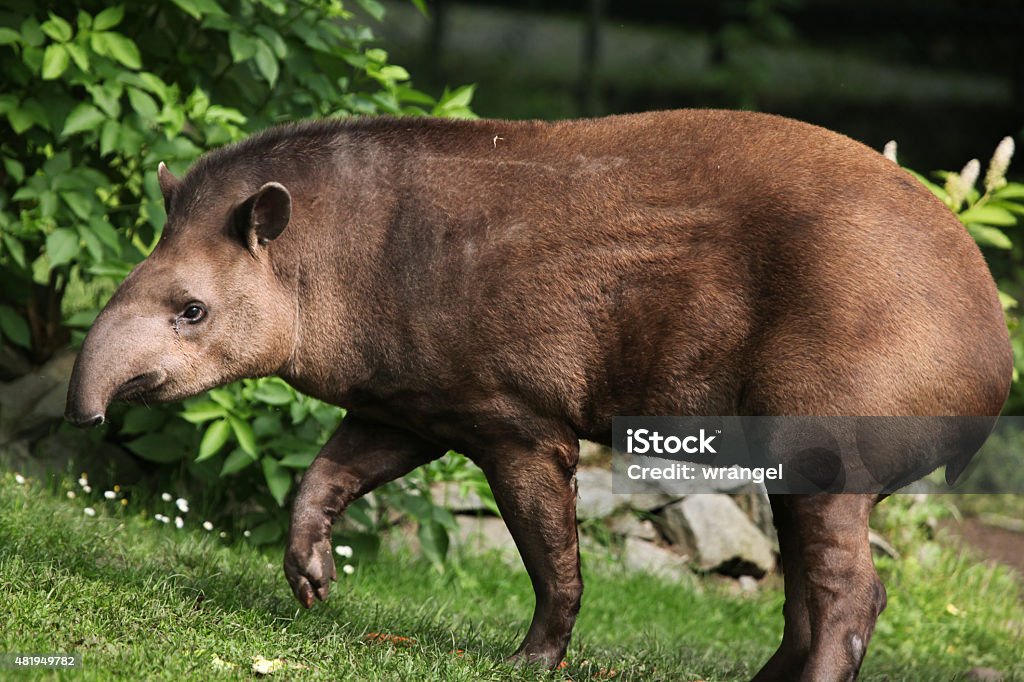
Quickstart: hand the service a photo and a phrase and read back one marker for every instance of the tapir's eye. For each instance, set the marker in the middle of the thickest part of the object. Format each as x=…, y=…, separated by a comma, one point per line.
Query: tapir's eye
x=193, y=312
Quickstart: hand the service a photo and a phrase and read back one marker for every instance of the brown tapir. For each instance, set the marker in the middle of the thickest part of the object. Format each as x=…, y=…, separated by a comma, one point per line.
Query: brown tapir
x=504, y=288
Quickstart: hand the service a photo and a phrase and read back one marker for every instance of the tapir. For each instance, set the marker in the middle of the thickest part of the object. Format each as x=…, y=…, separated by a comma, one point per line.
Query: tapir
x=504, y=288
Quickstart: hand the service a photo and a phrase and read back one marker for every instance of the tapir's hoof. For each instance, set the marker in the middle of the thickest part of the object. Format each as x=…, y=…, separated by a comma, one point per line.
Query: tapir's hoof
x=543, y=660
x=309, y=568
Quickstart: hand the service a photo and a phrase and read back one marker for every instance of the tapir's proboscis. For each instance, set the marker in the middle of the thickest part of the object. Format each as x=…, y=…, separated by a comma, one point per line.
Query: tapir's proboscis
x=505, y=288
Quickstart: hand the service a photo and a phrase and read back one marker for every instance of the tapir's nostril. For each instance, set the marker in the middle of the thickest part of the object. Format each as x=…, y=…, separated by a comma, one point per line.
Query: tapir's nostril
x=85, y=422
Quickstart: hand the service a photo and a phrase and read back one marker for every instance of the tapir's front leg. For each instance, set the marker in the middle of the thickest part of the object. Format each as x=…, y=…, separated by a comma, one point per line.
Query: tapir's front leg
x=536, y=493
x=359, y=457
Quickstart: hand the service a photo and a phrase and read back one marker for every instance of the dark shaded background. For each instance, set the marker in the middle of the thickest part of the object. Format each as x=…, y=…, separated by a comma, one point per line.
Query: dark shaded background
x=945, y=78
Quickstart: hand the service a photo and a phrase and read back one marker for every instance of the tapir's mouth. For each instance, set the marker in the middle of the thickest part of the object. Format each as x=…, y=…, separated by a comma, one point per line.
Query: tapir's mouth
x=140, y=387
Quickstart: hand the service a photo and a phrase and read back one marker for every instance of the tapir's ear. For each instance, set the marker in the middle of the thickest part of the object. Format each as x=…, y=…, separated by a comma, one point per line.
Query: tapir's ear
x=262, y=217
x=168, y=183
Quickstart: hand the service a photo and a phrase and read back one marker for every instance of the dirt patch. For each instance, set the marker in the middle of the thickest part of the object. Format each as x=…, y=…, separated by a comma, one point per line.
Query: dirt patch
x=999, y=544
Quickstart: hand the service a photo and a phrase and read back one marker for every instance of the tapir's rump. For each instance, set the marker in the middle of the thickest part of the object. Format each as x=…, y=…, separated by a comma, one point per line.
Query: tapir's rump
x=504, y=288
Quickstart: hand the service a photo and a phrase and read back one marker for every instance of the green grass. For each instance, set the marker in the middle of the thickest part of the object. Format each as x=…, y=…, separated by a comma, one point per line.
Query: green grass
x=142, y=600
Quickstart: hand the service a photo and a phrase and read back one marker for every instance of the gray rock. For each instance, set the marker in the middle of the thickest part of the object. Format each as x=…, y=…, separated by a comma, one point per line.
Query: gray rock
x=647, y=557
x=628, y=525
x=596, y=499
x=718, y=535
x=985, y=675
x=754, y=503
x=594, y=454
x=481, y=534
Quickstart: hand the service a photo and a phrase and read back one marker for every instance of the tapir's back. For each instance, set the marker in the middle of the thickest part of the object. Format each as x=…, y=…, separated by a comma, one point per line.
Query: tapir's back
x=716, y=262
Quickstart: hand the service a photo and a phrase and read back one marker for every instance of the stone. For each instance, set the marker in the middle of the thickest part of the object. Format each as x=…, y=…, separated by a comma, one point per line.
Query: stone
x=718, y=535
x=628, y=525
x=594, y=454
x=596, y=499
x=482, y=534
x=646, y=557
x=981, y=674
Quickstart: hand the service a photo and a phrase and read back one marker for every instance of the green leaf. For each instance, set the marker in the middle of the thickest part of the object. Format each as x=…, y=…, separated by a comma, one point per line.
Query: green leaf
x=121, y=48
x=198, y=8
x=273, y=39
x=989, y=236
x=236, y=461
x=55, y=61
x=108, y=18
x=298, y=460
x=30, y=32
x=222, y=397
x=144, y=105
x=15, y=248
x=373, y=8
x=202, y=411
x=279, y=479
x=272, y=392
x=14, y=168
x=988, y=215
x=140, y=419
x=158, y=447
x=266, y=62
x=461, y=97
x=421, y=5
x=242, y=46
x=83, y=117
x=108, y=137
x=8, y=36
x=57, y=28
x=394, y=73
x=14, y=327
x=244, y=435
x=275, y=6
x=78, y=55
x=434, y=542
x=62, y=245
x=214, y=438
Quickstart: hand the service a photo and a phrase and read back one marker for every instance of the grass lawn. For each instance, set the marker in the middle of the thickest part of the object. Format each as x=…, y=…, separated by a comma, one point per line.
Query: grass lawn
x=143, y=600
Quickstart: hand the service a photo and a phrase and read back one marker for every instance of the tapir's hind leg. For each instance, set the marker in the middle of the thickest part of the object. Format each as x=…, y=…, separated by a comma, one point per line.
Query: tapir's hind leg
x=787, y=663
x=536, y=494
x=842, y=593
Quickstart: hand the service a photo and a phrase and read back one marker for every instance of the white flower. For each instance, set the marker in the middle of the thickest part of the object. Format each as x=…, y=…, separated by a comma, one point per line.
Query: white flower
x=161, y=518
x=246, y=533
x=109, y=494
x=89, y=511
x=179, y=522
x=889, y=151
x=997, y=167
x=207, y=525
x=83, y=481
x=348, y=569
x=343, y=550
x=959, y=185
x=182, y=504
x=19, y=479
x=87, y=488
x=71, y=495
x=166, y=497
x=223, y=533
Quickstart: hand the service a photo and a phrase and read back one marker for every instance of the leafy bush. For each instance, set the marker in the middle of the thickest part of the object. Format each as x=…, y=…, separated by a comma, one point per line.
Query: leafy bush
x=96, y=97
